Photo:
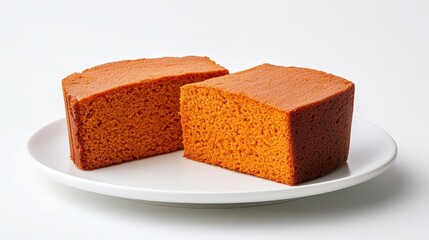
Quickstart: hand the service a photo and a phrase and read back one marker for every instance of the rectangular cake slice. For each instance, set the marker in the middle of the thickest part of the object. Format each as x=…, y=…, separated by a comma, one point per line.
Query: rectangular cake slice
x=129, y=110
x=286, y=124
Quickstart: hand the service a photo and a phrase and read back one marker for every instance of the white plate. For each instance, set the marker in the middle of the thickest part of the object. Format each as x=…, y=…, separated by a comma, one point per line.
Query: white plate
x=170, y=179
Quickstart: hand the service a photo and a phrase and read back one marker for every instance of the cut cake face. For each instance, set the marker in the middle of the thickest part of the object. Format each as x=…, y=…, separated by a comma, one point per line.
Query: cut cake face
x=127, y=110
x=286, y=124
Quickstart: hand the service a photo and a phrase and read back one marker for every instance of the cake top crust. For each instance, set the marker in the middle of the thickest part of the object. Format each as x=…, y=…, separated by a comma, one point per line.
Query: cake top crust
x=285, y=88
x=116, y=74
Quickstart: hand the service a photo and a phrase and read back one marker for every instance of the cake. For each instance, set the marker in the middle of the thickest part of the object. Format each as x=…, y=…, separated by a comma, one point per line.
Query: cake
x=127, y=110
x=285, y=124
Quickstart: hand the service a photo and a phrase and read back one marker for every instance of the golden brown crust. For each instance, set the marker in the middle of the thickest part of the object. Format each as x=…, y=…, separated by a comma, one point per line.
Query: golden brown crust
x=108, y=76
x=321, y=135
x=285, y=88
x=128, y=114
x=285, y=124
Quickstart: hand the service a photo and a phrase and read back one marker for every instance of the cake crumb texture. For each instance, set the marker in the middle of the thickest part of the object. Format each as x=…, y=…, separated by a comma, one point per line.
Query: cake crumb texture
x=129, y=110
x=285, y=124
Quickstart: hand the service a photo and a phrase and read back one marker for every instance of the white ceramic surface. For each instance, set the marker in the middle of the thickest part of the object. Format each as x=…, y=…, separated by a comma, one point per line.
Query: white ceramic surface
x=170, y=179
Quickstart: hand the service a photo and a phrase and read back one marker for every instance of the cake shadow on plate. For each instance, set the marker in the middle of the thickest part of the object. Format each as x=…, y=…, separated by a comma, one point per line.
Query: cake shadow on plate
x=357, y=200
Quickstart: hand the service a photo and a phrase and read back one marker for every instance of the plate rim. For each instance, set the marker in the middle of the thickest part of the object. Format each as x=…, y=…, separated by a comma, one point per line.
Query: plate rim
x=182, y=198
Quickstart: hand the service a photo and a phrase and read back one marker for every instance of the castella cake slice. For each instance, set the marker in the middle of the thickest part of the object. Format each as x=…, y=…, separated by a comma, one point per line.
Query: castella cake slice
x=127, y=110
x=286, y=124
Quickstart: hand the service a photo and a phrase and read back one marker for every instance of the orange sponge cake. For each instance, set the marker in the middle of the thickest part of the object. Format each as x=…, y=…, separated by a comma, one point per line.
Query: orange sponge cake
x=128, y=110
x=286, y=124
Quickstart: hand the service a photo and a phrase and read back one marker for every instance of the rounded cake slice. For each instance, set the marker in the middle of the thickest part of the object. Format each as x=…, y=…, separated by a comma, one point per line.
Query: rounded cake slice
x=127, y=110
x=286, y=124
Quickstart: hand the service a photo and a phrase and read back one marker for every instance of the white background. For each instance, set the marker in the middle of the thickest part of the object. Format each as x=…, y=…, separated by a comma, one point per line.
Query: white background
x=382, y=46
